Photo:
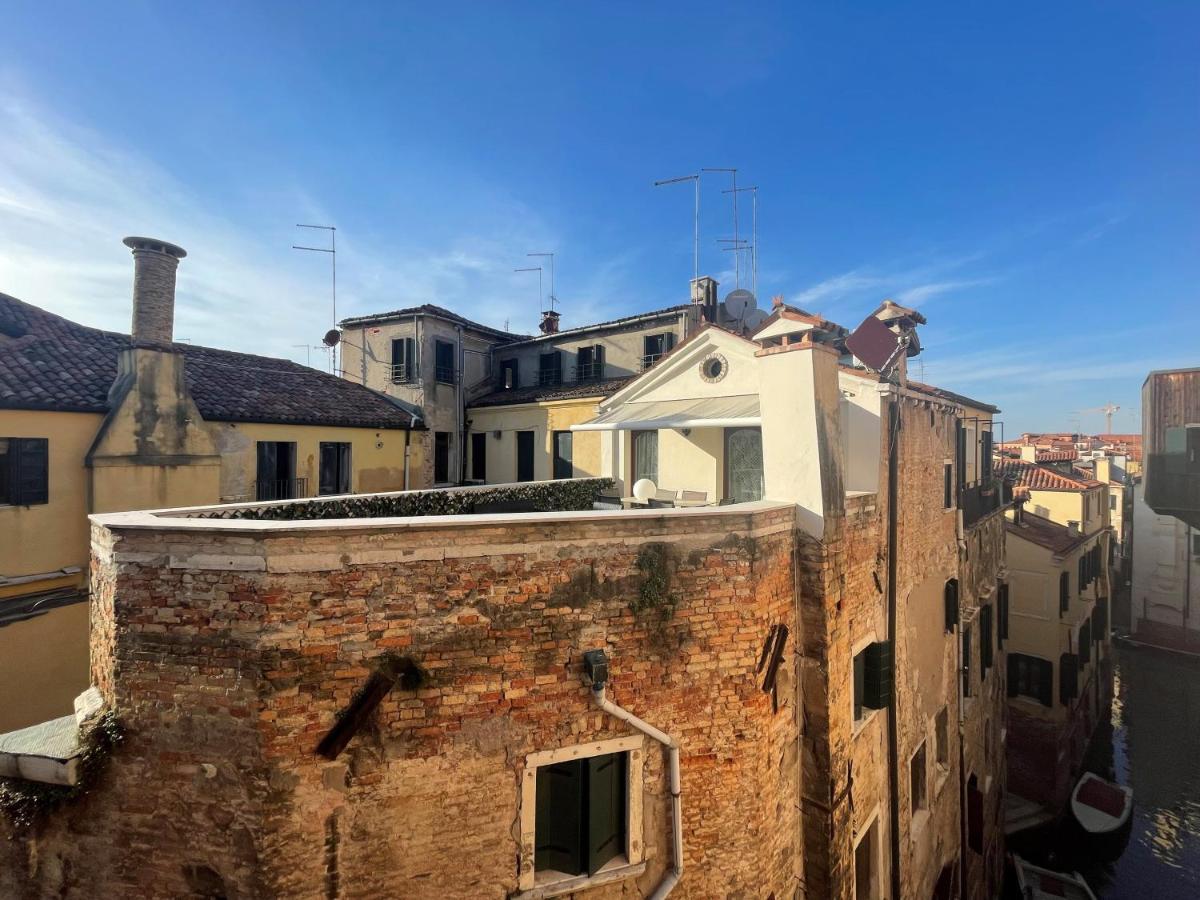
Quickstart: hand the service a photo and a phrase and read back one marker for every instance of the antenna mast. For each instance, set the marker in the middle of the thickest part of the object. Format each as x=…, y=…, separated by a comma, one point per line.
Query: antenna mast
x=537, y=269
x=332, y=251
x=737, y=266
x=553, y=298
x=753, y=245
x=695, y=179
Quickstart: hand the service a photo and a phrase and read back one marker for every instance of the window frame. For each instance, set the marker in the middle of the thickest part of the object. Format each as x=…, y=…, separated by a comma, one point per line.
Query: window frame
x=871, y=829
x=560, y=463
x=632, y=863
x=633, y=441
x=526, y=436
x=343, y=465
x=479, y=456
x=449, y=445
x=915, y=807
x=444, y=374
x=16, y=453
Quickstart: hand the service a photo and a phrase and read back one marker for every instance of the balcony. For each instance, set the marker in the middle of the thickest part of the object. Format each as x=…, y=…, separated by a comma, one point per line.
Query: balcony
x=549, y=377
x=980, y=499
x=281, y=489
x=650, y=359
x=402, y=373
x=1172, y=486
x=589, y=371
x=444, y=374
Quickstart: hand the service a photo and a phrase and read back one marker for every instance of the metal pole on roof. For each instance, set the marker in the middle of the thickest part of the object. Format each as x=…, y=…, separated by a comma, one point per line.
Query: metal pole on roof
x=695, y=179
x=332, y=251
x=551, y=255
x=537, y=269
x=737, y=268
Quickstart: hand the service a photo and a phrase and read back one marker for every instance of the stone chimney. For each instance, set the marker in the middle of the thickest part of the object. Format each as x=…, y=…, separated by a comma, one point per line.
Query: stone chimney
x=1103, y=469
x=154, y=265
x=549, y=324
x=704, y=295
x=1073, y=527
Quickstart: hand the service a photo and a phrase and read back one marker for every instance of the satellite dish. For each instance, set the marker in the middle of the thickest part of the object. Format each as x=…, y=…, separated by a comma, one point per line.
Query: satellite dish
x=332, y=338
x=754, y=318
x=645, y=489
x=737, y=302
x=875, y=344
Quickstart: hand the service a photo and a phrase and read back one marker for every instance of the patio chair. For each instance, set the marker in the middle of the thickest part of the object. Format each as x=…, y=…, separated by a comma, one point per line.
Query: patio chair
x=656, y=503
x=663, y=494
x=606, y=501
x=694, y=495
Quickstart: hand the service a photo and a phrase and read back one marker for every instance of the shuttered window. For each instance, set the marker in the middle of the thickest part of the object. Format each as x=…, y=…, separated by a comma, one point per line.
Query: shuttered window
x=1064, y=593
x=974, y=815
x=24, y=471
x=966, y=660
x=443, y=362
x=580, y=817
x=1068, y=678
x=872, y=678
x=335, y=468
x=986, y=647
x=404, y=361
x=1002, y=612
x=950, y=597
x=1085, y=643
x=1029, y=676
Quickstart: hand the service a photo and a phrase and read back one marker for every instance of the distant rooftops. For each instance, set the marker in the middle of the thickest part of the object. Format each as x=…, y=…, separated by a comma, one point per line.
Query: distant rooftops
x=1054, y=537
x=612, y=324
x=48, y=362
x=1032, y=476
x=513, y=396
x=429, y=309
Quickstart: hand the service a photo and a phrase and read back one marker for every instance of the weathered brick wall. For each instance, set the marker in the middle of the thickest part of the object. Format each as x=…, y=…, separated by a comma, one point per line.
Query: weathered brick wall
x=240, y=649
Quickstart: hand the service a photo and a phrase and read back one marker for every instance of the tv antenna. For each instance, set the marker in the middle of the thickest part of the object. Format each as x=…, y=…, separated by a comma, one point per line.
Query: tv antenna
x=737, y=268
x=753, y=245
x=553, y=299
x=695, y=179
x=537, y=269
x=332, y=251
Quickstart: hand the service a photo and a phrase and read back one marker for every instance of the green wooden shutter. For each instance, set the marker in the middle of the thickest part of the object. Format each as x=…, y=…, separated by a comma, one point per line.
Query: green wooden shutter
x=951, y=600
x=606, y=781
x=558, y=839
x=877, y=679
x=30, y=474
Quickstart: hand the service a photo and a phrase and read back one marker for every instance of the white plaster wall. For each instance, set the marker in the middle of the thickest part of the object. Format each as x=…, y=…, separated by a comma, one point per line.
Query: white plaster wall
x=861, y=435
x=1160, y=557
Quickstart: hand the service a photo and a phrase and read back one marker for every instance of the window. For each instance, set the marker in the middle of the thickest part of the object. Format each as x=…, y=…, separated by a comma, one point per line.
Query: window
x=443, y=362
x=550, y=368
x=966, y=660
x=645, y=456
x=404, y=362
x=950, y=597
x=589, y=363
x=24, y=471
x=1002, y=613
x=479, y=456
x=581, y=814
x=1085, y=642
x=947, y=485
x=562, y=454
x=872, y=678
x=918, y=783
x=1029, y=676
x=1182, y=449
x=974, y=814
x=941, y=733
x=441, y=457
x=866, y=869
x=276, y=478
x=1196, y=545
x=986, y=648
x=1087, y=510
x=508, y=375
x=335, y=468
x=655, y=346
x=1064, y=593
x=524, y=456
x=985, y=456
x=960, y=455
x=743, y=464
x=1112, y=501
x=1068, y=678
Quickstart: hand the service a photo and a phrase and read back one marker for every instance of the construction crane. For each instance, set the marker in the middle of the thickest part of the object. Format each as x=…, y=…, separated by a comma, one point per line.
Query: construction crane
x=1108, y=409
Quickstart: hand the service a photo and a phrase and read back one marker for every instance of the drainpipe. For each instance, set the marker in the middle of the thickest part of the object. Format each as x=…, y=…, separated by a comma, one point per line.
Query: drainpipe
x=672, y=877
x=892, y=716
x=962, y=758
x=459, y=402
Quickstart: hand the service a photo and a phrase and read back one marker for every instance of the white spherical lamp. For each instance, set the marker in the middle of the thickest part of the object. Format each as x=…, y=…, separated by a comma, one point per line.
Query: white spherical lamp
x=645, y=489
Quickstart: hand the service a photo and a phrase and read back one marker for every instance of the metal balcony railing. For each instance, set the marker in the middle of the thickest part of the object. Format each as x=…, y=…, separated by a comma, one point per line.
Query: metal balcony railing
x=444, y=374
x=549, y=377
x=650, y=359
x=589, y=371
x=981, y=498
x=281, y=489
x=403, y=373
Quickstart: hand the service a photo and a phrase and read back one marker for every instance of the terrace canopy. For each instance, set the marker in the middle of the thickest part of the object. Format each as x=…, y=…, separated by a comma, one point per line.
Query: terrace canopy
x=736, y=411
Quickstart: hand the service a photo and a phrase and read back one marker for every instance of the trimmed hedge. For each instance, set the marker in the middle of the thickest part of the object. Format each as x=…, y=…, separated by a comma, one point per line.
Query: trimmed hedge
x=539, y=496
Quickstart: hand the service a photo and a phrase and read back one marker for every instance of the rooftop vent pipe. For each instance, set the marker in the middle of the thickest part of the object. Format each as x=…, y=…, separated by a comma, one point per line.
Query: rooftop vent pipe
x=154, y=265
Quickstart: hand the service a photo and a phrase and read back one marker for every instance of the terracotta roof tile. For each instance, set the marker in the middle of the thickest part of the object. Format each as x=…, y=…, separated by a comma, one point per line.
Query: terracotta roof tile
x=512, y=396
x=1054, y=537
x=1040, y=478
x=48, y=362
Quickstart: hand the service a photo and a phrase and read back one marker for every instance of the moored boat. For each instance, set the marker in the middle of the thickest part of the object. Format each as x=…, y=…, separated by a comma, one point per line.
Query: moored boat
x=1036, y=883
x=1100, y=806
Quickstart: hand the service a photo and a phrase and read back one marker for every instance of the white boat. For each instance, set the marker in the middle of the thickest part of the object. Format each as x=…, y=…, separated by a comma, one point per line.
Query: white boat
x=1100, y=806
x=1037, y=883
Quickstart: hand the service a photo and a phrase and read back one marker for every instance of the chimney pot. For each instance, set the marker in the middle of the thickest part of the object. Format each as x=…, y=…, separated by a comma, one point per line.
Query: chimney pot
x=154, y=265
x=704, y=295
x=549, y=324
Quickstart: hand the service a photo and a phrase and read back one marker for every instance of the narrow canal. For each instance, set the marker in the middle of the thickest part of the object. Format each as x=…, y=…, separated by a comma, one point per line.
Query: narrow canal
x=1152, y=745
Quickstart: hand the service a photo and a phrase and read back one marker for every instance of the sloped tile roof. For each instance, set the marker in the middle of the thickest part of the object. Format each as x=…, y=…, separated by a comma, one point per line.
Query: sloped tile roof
x=1054, y=537
x=1031, y=476
x=51, y=363
x=558, y=392
x=429, y=309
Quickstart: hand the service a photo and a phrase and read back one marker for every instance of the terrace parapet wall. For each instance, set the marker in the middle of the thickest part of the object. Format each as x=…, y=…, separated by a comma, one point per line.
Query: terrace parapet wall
x=228, y=650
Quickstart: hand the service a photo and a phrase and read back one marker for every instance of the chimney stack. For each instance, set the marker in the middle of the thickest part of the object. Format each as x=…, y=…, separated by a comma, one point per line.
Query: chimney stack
x=549, y=324
x=704, y=295
x=154, y=265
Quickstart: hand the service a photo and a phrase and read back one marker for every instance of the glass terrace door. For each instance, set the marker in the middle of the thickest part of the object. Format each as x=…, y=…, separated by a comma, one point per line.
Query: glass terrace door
x=743, y=464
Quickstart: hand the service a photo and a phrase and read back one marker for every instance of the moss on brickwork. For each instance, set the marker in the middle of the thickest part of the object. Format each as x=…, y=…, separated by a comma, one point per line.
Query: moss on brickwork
x=24, y=803
x=543, y=496
x=654, y=592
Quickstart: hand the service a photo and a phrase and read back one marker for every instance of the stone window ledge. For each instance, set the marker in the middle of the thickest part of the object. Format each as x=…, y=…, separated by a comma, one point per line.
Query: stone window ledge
x=860, y=724
x=617, y=870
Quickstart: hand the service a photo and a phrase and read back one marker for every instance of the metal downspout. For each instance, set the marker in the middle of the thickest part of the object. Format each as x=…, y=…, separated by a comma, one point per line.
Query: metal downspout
x=676, y=871
x=892, y=716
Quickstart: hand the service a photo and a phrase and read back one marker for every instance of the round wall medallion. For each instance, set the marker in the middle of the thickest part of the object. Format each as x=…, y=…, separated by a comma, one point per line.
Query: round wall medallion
x=714, y=367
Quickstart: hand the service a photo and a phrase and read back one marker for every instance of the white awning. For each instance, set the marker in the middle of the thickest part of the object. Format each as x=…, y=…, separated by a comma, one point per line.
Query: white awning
x=709, y=412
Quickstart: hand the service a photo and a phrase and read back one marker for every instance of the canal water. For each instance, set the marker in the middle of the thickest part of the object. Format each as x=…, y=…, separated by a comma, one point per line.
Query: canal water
x=1151, y=744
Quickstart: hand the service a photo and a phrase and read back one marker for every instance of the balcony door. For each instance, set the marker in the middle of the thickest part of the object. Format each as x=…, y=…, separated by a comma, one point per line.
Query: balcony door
x=276, y=476
x=743, y=464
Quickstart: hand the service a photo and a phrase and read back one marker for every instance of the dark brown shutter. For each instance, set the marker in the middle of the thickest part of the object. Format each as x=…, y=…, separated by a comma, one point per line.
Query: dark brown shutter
x=877, y=679
x=860, y=683
x=1085, y=642
x=985, y=456
x=1068, y=678
x=606, y=809
x=29, y=476
x=951, y=601
x=558, y=838
x=328, y=469
x=986, y=648
x=1002, y=602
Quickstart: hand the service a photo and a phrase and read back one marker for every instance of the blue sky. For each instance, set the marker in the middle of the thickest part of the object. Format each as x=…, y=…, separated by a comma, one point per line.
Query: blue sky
x=1025, y=173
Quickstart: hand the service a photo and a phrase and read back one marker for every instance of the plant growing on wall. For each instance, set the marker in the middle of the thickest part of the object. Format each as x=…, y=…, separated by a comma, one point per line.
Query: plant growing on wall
x=23, y=803
x=654, y=591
